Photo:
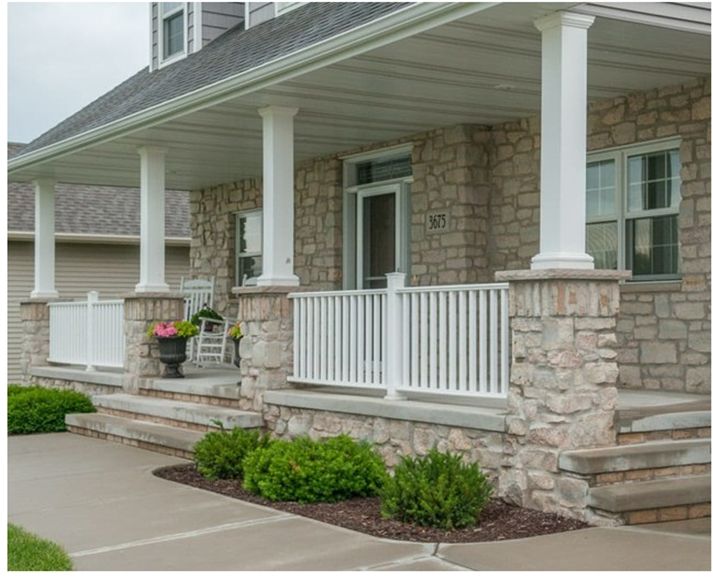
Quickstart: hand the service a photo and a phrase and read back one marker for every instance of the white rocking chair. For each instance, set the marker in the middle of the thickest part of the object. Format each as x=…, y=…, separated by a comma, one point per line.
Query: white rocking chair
x=211, y=342
x=197, y=293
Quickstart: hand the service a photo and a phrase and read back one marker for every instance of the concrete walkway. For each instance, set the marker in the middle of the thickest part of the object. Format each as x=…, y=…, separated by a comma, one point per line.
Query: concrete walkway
x=100, y=501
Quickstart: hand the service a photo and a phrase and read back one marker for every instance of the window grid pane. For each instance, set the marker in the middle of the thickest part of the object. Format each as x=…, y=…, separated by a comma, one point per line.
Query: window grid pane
x=654, y=181
x=601, y=189
x=652, y=245
x=602, y=244
x=248, y=246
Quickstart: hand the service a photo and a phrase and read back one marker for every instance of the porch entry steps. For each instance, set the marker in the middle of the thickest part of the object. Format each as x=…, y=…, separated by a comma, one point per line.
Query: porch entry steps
x=167, y=425
x=659, y=470
x=175, y=413
x=654, y=501
x=650, y=455
x=146, y=435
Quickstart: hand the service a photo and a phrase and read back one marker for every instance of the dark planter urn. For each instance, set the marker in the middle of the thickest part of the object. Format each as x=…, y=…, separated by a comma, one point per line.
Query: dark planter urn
x=236, y=352
x=172, y=352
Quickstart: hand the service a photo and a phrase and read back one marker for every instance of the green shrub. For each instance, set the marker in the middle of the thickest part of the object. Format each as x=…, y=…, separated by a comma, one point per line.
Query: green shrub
x=439, y=490
x=37, y=409
x=219, y=455
x=309, y=471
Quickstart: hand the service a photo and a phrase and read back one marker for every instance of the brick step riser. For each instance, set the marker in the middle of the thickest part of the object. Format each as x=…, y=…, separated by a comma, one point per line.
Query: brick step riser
x=637, y=475
x=131, y=442
x=660, y=514
x=195, y=398
x=156, y=419
x=634, y=438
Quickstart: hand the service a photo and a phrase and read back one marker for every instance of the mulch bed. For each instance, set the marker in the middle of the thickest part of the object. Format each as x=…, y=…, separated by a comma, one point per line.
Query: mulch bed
x=498, y=521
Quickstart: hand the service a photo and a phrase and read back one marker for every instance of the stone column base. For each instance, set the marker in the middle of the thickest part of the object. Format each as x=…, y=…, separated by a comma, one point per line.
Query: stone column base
x=563, y=390
x=265, y=314
x=141, y=356
x=35, y=349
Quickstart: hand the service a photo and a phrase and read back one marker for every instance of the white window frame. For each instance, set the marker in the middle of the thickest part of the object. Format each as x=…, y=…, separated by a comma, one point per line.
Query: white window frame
x=161, y=18
x=620, y=157
x=352, y=208
x=239, y=255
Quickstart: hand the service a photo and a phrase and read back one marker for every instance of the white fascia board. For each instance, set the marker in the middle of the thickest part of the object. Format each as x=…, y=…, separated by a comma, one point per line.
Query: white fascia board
x=403, y=23
x=82, y=238
x=674, y=17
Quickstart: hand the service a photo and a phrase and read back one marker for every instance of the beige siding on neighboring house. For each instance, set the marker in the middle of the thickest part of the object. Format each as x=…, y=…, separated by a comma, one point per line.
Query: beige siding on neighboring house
x=112, y=270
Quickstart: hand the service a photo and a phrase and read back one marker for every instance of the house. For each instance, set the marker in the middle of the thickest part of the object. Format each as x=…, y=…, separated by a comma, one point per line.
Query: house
x=483, y=227
x=97, y=234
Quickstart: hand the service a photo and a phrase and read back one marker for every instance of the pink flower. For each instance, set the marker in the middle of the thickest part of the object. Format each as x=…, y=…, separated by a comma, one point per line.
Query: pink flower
x=165, y=330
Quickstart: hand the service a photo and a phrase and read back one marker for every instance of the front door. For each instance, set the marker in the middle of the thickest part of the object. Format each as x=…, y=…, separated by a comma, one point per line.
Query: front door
x=378, y=234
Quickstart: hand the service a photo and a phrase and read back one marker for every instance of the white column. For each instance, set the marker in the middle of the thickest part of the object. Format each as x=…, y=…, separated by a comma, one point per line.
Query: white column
x=153, y=247
x=278, y=197
x=44, y=240
x=563, y=162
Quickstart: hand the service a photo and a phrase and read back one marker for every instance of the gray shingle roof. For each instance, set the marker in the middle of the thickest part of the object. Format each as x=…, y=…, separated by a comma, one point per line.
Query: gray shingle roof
x=234, y=52
x=93, y=210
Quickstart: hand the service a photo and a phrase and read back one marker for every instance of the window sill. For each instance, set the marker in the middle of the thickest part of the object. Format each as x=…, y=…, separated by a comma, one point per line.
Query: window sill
x=651, y=286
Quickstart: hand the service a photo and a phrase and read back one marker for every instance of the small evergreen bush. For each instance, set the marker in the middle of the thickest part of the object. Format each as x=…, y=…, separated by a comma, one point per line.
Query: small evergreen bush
x=38, y=409
x=439, y=490
x=219, y=455
x=310, y=471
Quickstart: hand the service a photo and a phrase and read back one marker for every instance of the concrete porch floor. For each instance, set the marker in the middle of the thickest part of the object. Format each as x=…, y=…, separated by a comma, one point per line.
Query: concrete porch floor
x=101, y=502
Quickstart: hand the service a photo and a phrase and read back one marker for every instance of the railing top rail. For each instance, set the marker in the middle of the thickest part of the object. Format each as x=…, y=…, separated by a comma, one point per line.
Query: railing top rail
x=435, y=288
x=354, y=292
x=109, y=302
x=67, y=303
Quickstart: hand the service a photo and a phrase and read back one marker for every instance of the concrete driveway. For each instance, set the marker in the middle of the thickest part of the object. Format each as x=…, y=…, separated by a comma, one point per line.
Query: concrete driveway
x=100, y=501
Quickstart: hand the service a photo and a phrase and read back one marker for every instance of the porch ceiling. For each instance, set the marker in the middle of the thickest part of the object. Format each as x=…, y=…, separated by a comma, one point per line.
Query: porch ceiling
x=481, y=69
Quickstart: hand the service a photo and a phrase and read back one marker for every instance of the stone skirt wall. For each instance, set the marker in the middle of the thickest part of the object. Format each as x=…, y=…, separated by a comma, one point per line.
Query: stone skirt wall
x=87, y=388
x=392, y=438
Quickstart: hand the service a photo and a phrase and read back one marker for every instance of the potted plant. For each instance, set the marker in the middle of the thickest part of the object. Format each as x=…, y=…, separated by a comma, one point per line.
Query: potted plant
x=236, y=334
x=207, y=313
x=172, y=337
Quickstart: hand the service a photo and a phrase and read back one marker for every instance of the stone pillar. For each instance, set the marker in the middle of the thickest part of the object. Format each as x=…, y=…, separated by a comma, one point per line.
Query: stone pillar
x=35, y=317
x=563, y=378
x=265, y=314
x=141, y=361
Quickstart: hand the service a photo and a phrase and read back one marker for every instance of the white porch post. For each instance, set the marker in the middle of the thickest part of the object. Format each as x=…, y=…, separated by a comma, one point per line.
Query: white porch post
x=278, y=196
x=563, y=160
x=44, y=240
x=153, y=193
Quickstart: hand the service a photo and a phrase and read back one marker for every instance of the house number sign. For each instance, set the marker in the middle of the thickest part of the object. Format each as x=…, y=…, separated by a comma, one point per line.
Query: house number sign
x=436, y=222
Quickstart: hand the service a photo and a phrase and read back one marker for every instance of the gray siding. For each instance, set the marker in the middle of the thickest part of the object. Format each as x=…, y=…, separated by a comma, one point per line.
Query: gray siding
x=261, y=11
x=219, y=17
x=112, y=270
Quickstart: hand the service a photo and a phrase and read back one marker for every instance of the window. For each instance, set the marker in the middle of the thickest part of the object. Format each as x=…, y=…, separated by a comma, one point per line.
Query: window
x=633, y=196
x=173, y=29
x=248, y=247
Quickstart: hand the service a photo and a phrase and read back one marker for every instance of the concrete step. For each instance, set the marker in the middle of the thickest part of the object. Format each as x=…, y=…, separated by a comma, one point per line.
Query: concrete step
x=173, y=412
x=149, y=435
x=213, y=394
x=684, y=420
x=648, y=455
x=627, y=497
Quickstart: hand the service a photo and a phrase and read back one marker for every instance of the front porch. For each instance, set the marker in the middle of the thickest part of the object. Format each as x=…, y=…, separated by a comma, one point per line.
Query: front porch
x=420, y=272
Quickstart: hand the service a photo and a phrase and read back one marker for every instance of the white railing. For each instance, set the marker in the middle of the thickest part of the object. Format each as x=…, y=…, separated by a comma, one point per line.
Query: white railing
x=90, y=333
x=446, y=340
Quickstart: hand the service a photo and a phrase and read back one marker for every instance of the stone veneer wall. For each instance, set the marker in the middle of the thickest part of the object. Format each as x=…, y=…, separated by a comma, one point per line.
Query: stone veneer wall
x=35, y=316
x=664, y=329
x=487, y=179
x=393, y=438
x=450, y=173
